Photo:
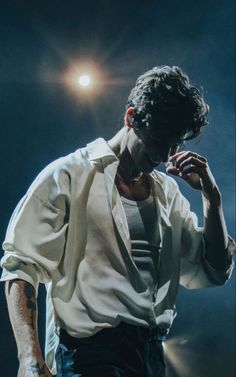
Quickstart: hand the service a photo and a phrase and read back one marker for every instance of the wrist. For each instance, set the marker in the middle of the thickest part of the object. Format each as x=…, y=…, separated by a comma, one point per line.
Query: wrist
x=31, y=355
x=33, y=367
x=212, y=197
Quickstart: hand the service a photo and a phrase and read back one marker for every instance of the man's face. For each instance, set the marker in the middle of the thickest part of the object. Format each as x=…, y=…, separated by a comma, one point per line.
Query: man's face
x=148, y=152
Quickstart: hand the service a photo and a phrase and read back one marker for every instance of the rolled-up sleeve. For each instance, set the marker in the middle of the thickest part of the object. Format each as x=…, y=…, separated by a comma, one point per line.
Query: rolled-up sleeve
x=34, y=243
x=196, y=271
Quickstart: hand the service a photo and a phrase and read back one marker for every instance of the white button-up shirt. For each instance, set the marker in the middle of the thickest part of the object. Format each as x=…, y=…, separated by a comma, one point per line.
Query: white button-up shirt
x=70, y=232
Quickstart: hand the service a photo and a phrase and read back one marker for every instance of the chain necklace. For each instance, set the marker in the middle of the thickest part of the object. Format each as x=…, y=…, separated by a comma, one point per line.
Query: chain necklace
x=131, y=181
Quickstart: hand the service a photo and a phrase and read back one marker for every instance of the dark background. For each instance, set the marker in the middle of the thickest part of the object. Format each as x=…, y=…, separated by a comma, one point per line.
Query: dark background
x=43, y=115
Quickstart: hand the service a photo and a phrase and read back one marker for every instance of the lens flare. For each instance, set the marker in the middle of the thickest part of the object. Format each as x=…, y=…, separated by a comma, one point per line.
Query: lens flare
x=84, y=80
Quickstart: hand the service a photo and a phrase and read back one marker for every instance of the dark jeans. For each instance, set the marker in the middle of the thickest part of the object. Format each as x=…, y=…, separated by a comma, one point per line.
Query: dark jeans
x=123, y=351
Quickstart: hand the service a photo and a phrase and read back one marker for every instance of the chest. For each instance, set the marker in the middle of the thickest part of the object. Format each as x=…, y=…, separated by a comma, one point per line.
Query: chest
x=133, y=191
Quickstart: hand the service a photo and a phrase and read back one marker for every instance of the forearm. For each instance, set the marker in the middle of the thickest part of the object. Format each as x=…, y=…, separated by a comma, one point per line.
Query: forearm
x=194, y=169
x=215, y=231
x=22, y=306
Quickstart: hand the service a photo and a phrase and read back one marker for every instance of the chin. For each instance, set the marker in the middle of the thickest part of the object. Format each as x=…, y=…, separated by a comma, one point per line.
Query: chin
x=149, y=169
x=146, y=166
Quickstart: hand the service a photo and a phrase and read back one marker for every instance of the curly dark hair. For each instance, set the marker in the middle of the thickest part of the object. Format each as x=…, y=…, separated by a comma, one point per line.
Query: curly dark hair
x=167, y=104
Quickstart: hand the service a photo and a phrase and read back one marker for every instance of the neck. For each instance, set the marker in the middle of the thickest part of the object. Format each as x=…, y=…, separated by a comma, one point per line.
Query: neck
x=126, y=168
x=116, y=142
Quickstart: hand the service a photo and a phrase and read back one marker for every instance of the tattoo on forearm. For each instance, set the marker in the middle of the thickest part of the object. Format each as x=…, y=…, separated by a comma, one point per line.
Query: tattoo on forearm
x=37, y=370
x=30, y=300
x=30, y=295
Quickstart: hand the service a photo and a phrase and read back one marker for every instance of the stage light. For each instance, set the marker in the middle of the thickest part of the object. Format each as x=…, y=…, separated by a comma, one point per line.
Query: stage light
x=84, y=80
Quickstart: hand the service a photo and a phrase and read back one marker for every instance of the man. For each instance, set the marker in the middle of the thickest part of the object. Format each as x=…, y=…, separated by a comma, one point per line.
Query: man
x=111, y=238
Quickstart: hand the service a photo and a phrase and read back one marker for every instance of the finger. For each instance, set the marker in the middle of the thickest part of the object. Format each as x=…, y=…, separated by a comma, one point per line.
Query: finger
x=188, y=154
x=172, y=170
x=180, y=159
x=201, y=158
x=192, y=161
x=173, y=157
x=188, y=169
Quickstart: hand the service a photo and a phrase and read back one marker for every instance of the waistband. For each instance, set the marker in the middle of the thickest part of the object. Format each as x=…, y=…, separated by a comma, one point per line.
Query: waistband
x=139, y=333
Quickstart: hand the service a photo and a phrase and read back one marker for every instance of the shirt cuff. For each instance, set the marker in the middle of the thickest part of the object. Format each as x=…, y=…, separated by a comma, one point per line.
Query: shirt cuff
x=13, y=269
x=219, y=277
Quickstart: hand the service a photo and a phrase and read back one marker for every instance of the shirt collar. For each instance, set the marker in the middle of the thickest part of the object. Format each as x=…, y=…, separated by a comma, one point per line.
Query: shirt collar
x=99, y=149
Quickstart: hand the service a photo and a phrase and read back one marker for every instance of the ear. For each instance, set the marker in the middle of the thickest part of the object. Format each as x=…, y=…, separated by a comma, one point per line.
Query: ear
x=129, y=117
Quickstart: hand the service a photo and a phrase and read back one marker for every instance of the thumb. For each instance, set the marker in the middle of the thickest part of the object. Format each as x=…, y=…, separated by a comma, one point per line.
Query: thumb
x=172, y=170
